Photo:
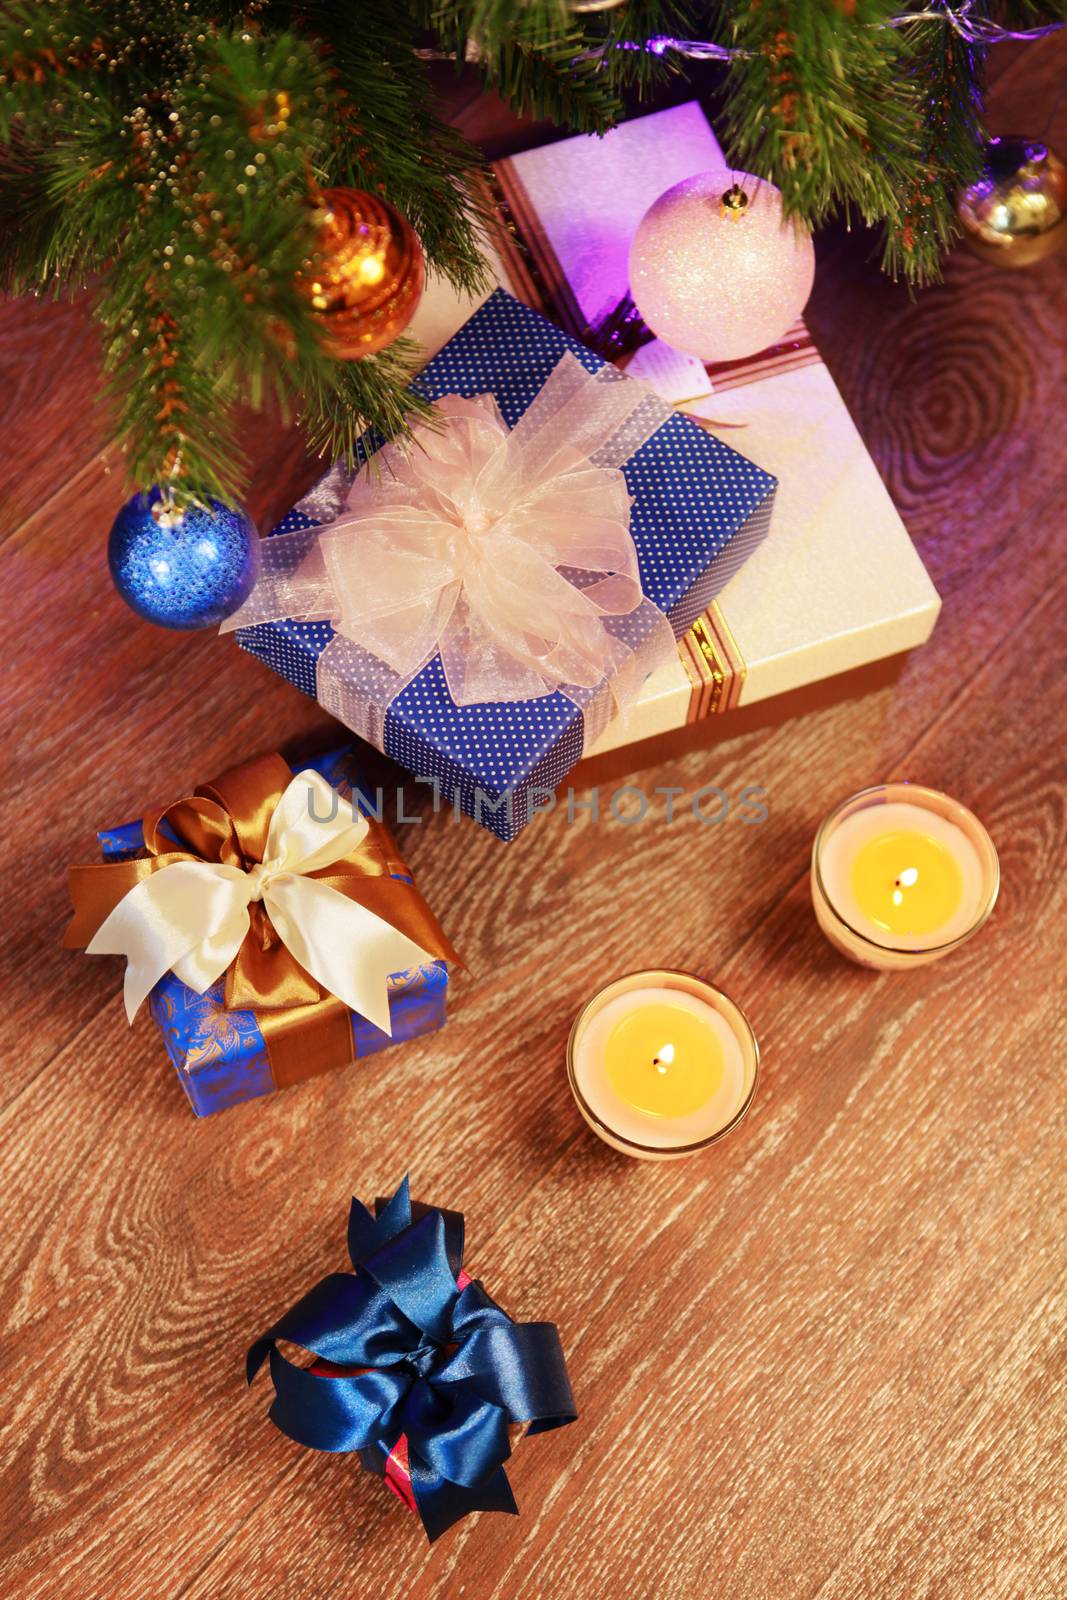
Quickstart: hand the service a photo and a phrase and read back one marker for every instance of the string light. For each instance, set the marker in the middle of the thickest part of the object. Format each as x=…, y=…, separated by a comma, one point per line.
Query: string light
x=964, y=20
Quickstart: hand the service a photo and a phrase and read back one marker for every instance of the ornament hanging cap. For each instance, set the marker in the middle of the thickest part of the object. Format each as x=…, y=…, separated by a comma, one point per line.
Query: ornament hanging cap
x=166, y=512
x=734, y=202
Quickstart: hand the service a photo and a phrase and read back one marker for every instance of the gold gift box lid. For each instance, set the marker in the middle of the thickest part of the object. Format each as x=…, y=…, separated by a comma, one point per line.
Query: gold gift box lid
x=837, y=584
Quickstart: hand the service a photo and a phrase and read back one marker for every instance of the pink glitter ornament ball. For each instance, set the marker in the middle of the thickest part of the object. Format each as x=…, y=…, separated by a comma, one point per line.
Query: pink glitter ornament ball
x=716, y=270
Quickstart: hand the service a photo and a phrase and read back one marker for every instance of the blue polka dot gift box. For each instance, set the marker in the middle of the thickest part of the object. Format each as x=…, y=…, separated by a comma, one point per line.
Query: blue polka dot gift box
x=220, y=1054
x=698, y=510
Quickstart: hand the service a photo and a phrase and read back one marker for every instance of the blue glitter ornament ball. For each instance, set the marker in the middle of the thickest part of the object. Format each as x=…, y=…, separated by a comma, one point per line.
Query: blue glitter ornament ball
x=182, y=568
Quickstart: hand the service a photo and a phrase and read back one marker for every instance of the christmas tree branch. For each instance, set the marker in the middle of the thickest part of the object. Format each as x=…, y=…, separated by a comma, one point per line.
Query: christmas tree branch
x=168, y=153
x=950, y=73
x=371, y=394
x=201, y=305
x=427, y=170
x=807, y=105
x=537, y=57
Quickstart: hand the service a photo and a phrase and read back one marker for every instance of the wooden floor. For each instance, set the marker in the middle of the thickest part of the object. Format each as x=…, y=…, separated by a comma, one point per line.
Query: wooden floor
x=825, y=1362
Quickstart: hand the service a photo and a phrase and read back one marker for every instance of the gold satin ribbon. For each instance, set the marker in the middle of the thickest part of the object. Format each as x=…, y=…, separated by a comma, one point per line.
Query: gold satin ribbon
x=226, y=829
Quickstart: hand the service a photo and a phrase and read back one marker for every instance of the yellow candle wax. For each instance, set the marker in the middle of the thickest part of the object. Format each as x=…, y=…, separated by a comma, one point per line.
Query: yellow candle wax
x=661, y=1063
x=902, y=874
x=663, y=1058
x=908, y=882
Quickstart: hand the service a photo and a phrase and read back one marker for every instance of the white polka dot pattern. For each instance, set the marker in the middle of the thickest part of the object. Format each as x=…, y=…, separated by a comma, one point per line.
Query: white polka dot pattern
x=699, y=510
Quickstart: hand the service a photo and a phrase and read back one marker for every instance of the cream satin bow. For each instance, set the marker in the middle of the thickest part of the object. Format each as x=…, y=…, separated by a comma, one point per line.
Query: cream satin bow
x=507, y=552
x=191, y=917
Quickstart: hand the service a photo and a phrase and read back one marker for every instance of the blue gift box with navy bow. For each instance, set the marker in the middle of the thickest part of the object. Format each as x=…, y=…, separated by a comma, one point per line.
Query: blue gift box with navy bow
x=699, y=509
x=416, y=1369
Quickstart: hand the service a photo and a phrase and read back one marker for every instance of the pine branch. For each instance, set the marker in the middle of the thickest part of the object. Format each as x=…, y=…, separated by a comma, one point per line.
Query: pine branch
x=631, y=40
x=29, y=221
x=383, y=136
x=361, y=397
x=252, y=113
x=950, y=75
x=201, y=305
x=165, y=152
x=45, y=54
x=538, y=58
x=494, y=21
x=175, y=414
x=821, y=104
x=553, y=80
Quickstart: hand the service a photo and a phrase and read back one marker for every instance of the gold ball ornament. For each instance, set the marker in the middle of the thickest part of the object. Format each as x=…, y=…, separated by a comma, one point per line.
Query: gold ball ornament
x=1016, y=213
x=366, y=275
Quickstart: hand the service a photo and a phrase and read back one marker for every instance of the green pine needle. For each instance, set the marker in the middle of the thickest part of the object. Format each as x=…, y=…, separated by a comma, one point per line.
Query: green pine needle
x=166, y=153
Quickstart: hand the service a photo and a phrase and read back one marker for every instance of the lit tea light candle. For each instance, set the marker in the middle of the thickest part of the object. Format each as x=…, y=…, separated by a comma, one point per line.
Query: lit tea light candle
x=901, y=874
x=662, y=1064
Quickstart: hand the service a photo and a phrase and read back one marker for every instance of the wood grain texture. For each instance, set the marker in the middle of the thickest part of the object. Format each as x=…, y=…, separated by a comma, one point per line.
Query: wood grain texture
x=825, y=1362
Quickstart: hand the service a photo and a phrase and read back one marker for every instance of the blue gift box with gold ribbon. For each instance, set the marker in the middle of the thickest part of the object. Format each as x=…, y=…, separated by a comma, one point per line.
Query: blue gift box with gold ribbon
x=698, y=511
x=219, y=1053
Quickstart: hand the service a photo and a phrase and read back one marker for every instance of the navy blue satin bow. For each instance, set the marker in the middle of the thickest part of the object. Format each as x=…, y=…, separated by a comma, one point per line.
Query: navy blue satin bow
x=448, y=1368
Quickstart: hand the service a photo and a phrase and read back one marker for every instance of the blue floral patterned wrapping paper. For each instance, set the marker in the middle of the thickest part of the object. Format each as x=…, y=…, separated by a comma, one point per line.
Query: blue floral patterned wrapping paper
x=699, y=511
x=219, y=1055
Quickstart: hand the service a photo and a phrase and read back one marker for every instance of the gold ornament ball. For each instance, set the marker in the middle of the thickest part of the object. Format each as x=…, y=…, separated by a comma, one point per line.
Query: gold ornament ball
x=1017, y=211
x=366, y=275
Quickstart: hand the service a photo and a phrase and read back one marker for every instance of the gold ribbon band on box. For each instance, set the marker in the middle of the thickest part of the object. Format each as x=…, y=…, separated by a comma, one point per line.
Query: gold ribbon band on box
x=273, y=883
x=709, y=652
x=713, y=664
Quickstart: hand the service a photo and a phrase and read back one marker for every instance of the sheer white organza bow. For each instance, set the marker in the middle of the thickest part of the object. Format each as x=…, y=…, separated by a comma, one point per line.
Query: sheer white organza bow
x=507, y=551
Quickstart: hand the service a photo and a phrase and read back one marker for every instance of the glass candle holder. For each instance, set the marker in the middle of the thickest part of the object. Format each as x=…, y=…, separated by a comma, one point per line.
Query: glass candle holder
x=901, y=875
x=662, y=1064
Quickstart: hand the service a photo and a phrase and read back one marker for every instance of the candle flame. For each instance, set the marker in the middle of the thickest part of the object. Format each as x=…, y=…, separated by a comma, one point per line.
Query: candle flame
x=908, y=878
x=663, y=1059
